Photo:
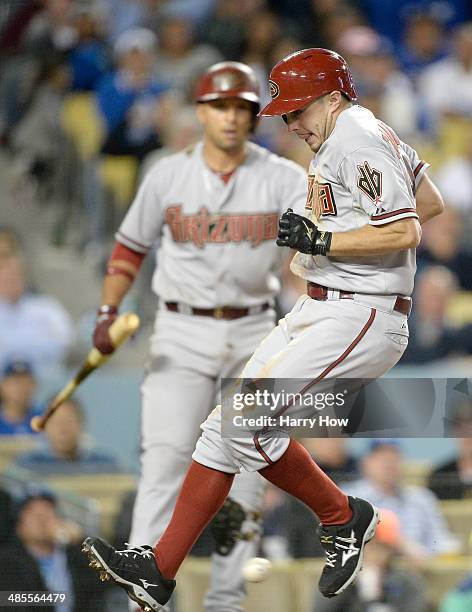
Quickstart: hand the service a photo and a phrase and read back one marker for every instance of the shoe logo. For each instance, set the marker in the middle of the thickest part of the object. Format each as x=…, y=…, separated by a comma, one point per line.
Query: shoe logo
x=147, y=584
x=327, y=539
x=350, y=551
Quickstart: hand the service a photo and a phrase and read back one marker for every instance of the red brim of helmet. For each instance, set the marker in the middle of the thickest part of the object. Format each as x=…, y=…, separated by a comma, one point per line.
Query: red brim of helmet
x=283, y=107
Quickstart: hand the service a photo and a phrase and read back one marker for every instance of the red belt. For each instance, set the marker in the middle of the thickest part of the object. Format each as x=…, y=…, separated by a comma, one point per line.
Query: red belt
x=220, y=312
x=318, y=292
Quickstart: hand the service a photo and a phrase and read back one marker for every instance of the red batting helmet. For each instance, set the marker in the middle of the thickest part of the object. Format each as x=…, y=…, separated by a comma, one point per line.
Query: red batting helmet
x=305, y=75
x=228, y=80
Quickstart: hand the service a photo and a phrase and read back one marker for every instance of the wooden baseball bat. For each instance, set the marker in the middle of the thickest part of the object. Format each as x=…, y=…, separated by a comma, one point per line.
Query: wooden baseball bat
x=124, y=327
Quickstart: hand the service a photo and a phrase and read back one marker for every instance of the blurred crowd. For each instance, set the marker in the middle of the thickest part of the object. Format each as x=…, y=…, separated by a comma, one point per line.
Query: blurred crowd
x=91, y=93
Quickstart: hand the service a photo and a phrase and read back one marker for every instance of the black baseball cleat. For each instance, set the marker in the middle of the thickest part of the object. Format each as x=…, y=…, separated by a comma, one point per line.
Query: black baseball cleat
x=134, y=569
x=344, y=547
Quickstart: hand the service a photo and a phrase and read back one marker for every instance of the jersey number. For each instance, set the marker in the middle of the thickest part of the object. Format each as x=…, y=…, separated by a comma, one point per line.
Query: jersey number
x=370, y=181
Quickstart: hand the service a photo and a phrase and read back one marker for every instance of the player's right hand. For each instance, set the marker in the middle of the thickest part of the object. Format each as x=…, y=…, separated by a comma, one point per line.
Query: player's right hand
x=296, y=232
x=301, y=234
x=106, y=316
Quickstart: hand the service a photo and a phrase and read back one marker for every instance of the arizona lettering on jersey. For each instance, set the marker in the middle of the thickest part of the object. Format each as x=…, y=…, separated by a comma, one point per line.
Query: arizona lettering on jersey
x=210, y=233
x=205, y=228
x=363, y=174
x=320, y=198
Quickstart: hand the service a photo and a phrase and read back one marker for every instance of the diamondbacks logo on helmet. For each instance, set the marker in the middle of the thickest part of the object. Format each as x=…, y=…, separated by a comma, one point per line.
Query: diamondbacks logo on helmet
x=274, y=89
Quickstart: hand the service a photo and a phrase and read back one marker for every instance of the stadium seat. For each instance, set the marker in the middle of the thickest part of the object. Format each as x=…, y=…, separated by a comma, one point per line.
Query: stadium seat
x=458, y=513
x=11, y=446
x=459, y=308
x=119, y=175
x=455, y=134
x=82, y=123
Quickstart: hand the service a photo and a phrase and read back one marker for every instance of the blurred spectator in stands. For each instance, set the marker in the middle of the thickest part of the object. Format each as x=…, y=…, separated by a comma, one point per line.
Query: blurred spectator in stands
x=225, y=29
x=33, y=326
x=122, y=15
x=128, y=97
x=453, y=479
x=45, y=556
x=17, y=20
x=276, y=523
x=333, y=456
x=286, y=519
x=179, y=127
x=334, y=20
x=51, y=29
x=65, y=451
x=10, y=243
x=17, y=407
x=432, y=336
x=460, y=598
x=373, y=62
x=454, y=180
x=326, y=20
x=197, y=12
x=424, y=43
x=180, y=60
x=389, y=17
x=38, y=139
x=442, y=245
x=446, y=86
x=282, y=47
x=262, y=33
x=88, y=59
x=421, y=521
x=6, y=516
x=381, y=585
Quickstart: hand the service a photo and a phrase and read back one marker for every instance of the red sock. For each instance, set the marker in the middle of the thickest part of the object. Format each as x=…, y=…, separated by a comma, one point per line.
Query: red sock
x=297, y=473
x=202, y=494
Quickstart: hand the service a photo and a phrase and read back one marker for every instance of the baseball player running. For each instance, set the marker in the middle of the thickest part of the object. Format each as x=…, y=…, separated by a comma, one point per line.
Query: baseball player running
x=367, y=196
x=215, y=208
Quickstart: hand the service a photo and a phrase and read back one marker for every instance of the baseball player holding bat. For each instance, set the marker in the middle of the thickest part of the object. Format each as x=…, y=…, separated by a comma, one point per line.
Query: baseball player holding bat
x=215, y=208
x=367, y=196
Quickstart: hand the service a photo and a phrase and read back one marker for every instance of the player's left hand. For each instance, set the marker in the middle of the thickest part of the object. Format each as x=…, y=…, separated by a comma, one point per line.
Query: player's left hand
x=297, y=232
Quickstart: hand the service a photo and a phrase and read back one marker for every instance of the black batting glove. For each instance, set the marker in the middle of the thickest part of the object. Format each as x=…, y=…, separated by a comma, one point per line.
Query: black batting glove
x=297, y=232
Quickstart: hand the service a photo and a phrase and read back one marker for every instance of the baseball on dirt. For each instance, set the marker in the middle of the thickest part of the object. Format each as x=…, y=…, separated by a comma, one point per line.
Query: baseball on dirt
x=256, y=569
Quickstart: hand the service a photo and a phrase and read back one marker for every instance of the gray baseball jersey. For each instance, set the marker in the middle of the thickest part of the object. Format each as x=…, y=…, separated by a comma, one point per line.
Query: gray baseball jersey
x=362, y=174
x=217, y=239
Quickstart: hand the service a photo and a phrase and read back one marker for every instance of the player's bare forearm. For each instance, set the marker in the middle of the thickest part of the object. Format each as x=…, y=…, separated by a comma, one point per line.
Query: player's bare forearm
x=114, y=289
x=429, y=202
x=370, y=240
